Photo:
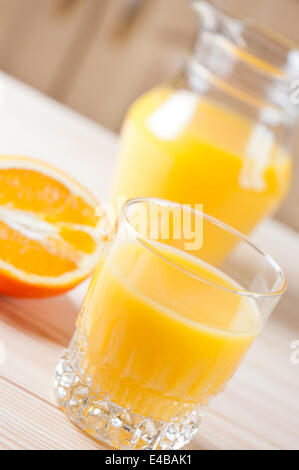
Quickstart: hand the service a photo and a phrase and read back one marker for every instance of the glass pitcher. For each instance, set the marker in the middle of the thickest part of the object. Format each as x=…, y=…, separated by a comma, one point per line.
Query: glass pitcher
x=221, y=132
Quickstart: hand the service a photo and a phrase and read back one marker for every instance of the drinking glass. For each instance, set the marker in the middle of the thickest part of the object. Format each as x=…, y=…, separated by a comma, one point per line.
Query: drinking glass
x=175, y=303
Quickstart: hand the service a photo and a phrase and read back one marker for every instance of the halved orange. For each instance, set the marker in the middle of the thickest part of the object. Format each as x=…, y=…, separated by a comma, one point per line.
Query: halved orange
x=48, y=222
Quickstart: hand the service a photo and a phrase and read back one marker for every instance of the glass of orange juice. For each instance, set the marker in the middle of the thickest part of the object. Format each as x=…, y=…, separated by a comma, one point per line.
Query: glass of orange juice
x=221, y=132
x=164, y=325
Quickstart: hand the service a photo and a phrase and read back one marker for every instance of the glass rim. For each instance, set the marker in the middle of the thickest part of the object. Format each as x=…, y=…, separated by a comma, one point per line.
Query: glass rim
x=277, y=38
x=222, y=226
x=281, y=38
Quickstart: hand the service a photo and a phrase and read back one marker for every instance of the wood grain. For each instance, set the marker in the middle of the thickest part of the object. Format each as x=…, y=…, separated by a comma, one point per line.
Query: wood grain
x=23, y=418
x=40, y=39
x=121, y=68
x=260, y=407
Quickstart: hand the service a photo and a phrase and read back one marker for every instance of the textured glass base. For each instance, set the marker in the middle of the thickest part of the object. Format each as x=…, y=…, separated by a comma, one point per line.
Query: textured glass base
x=107, y=422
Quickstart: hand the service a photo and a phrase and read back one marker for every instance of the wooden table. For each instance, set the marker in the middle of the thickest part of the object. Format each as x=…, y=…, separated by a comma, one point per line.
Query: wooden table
x=260, y=407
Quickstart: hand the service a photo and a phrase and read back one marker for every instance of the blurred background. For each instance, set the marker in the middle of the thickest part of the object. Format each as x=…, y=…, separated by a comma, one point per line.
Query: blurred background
x=97, y=56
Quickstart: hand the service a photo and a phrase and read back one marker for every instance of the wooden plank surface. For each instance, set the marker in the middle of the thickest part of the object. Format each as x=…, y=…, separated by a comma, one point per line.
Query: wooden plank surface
x=260, y=407
x=85, y=53
x=121, y=66
x=40, y=39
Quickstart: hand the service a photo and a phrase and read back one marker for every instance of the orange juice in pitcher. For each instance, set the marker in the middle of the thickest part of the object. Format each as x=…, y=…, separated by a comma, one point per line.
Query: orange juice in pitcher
x=221, y=133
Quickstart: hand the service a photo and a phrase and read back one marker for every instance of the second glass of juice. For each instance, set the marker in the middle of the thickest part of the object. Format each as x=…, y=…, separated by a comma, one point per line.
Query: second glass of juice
x=220, y=133
x=164, y=326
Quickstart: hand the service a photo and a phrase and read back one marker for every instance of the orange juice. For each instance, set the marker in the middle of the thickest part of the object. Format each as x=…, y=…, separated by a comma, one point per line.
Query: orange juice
x=178, y=146
x=157, y=341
